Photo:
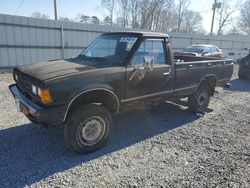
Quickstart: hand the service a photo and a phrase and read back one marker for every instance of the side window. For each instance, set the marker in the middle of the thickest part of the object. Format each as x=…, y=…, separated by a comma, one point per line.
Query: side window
x=150, y=48
x=207, y=50
x=214, y=50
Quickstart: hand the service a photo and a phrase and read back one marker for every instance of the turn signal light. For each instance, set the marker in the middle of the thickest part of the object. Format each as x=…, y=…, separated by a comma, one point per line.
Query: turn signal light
x=45, y=96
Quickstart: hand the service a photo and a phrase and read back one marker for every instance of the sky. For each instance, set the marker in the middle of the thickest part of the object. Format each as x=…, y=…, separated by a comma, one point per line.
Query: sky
x=70, y=8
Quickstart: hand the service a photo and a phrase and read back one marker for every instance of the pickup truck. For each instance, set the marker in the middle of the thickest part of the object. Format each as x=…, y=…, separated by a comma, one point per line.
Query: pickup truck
x=117, y=71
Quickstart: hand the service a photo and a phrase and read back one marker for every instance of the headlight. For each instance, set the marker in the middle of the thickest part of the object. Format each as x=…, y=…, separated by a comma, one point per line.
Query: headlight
x=16, y=77
x=39, y=93
x=43, y=93
x=34, y=89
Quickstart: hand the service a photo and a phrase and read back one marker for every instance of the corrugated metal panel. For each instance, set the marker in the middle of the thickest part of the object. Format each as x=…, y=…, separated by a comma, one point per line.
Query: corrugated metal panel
x=26, y=40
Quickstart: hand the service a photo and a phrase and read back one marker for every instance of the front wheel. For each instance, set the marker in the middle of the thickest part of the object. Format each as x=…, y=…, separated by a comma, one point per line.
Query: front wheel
x=199, y=101
x=87, y=129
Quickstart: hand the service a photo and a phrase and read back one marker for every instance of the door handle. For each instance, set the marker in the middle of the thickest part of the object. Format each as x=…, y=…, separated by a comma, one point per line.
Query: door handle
x=139, y=68
x=190, y=66
x=166, y=73
x=209, y=64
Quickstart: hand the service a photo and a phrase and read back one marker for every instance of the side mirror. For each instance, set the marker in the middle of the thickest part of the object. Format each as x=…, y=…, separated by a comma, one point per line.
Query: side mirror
x=148, y=62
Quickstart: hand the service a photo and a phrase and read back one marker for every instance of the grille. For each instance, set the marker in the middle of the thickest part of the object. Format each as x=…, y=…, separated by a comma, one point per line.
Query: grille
x=25, y=86
x=22, y=83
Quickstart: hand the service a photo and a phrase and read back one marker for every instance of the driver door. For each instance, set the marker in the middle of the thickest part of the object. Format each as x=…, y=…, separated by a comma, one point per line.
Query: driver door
x=144, y=80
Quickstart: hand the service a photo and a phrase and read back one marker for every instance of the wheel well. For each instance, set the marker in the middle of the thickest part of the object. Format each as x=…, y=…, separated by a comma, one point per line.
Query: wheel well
x=211, y=82
x=100, y=97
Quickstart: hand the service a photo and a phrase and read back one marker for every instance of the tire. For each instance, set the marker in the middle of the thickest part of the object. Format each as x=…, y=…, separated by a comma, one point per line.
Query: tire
x=241, y=76
x=199, y=101
x=87, y=128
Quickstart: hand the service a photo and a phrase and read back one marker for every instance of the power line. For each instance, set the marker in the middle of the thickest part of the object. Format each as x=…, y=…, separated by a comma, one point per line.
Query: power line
x=19, y=6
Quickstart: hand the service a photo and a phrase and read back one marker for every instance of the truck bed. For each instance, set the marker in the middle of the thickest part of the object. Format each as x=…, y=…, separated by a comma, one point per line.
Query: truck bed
x=189, y=74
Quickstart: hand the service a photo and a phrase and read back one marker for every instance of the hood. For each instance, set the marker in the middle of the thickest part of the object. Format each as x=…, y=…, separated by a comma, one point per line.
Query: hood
x=56, y=68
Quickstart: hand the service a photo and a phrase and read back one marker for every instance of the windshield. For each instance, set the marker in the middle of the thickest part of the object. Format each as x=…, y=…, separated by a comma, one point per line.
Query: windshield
x=194, y=49
x=110, y=48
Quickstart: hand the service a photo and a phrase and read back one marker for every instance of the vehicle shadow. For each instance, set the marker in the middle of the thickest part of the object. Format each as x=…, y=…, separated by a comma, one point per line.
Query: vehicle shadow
x=242, y=85
x=30, y=153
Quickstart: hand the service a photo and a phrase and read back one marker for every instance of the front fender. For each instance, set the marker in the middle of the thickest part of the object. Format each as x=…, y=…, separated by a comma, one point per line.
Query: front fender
x=94, y=87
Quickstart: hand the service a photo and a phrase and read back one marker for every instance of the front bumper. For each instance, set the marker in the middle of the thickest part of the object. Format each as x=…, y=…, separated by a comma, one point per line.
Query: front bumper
x=52, y=115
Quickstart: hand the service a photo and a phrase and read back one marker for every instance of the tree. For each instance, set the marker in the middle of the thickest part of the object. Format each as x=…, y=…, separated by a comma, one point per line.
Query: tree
x=66, y=19
x=233, y=31
x=107, y=20
x=124, y=5
x=39, y=15
x=166, y=19
x=109, y=5
x=244, y=19
x=95, y=20
x=134, y=11
x=192, y=21
x=150, y=11
x=83, y=18
x=182, y=8
x=225, y=16
x=120, y=21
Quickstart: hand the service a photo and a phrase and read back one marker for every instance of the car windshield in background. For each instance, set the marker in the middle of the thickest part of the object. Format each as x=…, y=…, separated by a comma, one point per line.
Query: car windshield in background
x=110, y=48
x=194, y=50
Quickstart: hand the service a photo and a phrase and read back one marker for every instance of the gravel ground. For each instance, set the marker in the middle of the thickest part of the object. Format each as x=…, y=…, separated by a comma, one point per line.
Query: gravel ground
x=162, y=146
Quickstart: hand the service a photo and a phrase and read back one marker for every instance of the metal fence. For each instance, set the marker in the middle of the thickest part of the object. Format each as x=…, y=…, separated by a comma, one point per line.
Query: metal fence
x=26, y=40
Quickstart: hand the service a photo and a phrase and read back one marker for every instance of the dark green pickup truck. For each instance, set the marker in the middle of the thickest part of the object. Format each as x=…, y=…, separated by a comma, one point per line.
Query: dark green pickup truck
x=117, y=71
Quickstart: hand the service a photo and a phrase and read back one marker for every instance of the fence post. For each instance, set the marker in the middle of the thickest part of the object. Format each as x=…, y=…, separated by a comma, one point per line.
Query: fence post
x=221, y=42
x=62, y=43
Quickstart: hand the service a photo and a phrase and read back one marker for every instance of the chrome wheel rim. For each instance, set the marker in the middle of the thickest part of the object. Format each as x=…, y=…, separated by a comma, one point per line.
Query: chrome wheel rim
x=92, y=130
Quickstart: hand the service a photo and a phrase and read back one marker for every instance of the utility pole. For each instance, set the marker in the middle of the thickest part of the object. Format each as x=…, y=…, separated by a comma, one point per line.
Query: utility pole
x=215, y=5
x=55, y=9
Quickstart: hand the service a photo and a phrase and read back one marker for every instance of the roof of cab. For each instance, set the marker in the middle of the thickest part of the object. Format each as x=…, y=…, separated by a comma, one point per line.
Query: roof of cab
x=142, y=33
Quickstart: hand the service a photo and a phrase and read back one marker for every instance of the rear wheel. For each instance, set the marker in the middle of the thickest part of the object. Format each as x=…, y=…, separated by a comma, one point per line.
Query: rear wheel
x=87, y=129
x=199, y=101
